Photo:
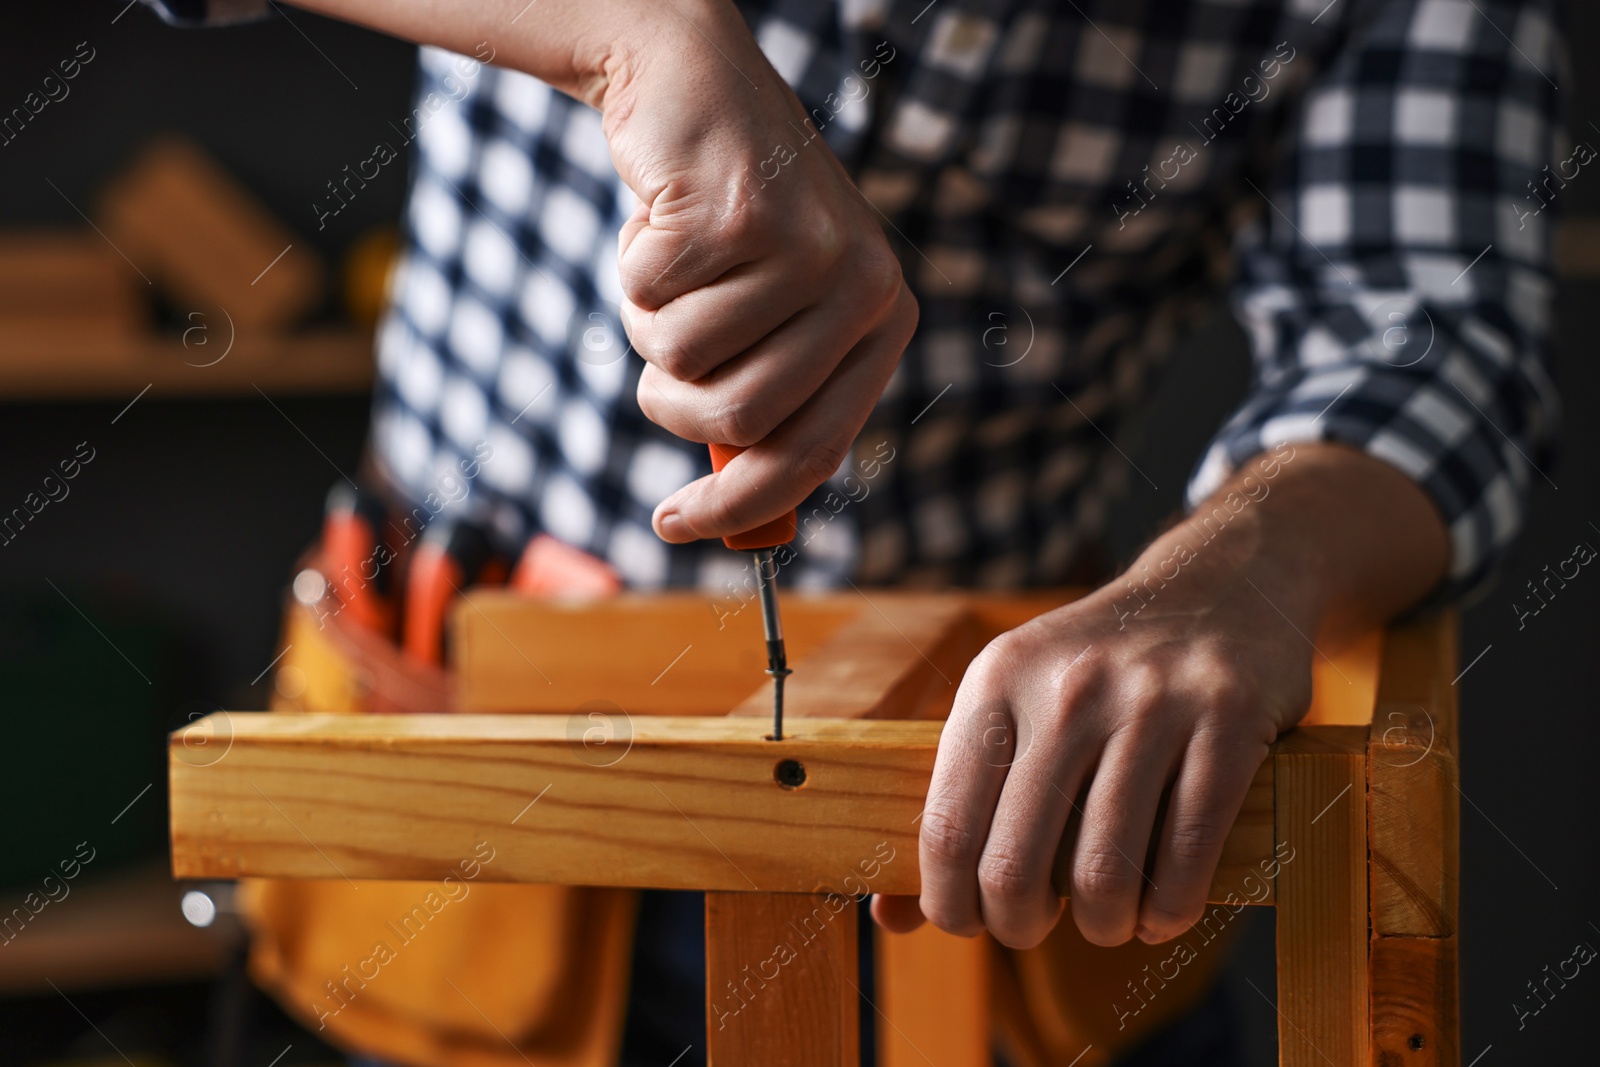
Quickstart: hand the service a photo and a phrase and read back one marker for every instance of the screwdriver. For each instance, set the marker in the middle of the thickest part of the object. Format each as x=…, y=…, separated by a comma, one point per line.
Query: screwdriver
x=761, y=541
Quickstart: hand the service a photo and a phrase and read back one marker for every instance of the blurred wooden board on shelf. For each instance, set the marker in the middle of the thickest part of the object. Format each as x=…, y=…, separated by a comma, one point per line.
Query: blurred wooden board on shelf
x=57, y=283
x=125, y=929
x=207, y=241
x=316, y=362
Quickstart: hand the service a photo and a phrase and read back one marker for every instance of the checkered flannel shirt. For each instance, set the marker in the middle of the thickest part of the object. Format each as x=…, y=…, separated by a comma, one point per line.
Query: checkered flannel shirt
x=1066, y=185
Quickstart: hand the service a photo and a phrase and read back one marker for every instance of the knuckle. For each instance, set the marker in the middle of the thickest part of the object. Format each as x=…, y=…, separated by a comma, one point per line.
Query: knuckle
x=819, y=462
x=909, y=312
x=1004, y=657
x=1194, y=841
x=1166, y=919
x=945, y=842
x=1101, y=876
x=1146, y=682
x=1022, y=935
x=737, y=423
x=1227, y=688
x=669, y=354
x=947, y=917
x=881, y=279
x=741, y=223
x=648, y=394
x=641, y=284
x=720, y=513
x=1004, y=878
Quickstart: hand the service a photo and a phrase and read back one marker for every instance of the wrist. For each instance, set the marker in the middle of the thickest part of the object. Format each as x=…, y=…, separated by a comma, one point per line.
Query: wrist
x=672, y=47
x=1239, y=550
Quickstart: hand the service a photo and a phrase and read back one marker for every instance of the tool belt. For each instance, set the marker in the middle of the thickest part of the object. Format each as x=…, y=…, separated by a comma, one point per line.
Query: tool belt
x=464, y=972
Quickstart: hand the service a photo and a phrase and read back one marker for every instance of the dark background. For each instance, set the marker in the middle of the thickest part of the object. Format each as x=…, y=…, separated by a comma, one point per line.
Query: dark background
x=180, y=535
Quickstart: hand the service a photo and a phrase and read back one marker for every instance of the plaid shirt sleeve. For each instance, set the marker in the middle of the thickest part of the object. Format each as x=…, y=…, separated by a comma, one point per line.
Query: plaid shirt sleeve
x=1397, y=287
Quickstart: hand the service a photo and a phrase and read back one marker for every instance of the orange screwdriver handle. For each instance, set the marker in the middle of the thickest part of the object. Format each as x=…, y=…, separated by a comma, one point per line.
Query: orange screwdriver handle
x=779, y=531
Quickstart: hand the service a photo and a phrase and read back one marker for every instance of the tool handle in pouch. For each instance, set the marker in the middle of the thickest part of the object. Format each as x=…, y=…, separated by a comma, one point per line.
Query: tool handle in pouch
x=779, y=531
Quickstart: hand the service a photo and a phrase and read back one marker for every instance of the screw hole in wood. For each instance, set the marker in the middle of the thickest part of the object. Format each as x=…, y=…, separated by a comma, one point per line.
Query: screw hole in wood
x=789, y=773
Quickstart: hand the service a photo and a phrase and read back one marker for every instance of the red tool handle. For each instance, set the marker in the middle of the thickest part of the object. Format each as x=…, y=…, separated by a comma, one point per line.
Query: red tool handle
x=779, y=531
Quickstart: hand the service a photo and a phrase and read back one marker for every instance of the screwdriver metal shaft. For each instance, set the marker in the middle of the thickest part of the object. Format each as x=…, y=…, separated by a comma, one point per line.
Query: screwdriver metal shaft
x=762, y=540
x=777, y=658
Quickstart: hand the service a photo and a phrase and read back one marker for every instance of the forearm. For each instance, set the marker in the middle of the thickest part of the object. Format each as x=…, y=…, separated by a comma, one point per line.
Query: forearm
x=1334, y=539
x=579, y=46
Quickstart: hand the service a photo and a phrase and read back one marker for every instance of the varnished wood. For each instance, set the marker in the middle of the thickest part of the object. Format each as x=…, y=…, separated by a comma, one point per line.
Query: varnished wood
x=656, y=654
x=1344, y=683
x=1415, y=1002
x=933, y=992
x=781, y=980
x=692, y=802
x=1414, y=849
x=1414, y=815
x=685, y=803
x=900, y=657
x=663, y=802
x=1414, y=785
x=1320, y=783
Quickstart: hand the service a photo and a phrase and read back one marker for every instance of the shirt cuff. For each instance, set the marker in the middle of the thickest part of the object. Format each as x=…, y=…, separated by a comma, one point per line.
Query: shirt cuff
x=1426, y=424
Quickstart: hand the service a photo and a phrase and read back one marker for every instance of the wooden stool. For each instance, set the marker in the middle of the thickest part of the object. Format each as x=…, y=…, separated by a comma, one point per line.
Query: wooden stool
x=639, y=722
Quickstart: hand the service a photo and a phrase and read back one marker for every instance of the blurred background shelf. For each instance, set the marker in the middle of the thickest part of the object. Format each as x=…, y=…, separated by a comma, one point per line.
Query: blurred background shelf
x=316, y=362
x=124, y=929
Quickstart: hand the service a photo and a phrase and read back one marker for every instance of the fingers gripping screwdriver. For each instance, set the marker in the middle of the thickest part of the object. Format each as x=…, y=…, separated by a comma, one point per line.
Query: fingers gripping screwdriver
x=761, y=541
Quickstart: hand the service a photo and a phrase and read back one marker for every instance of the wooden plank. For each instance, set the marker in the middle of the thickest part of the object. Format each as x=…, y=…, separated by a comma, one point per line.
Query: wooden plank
x=687, y=803
x=900, y=657
x=648, y=654
x=1415, y=1002
x=66, y=283
x=65, y=365
x=1414, y=815
x=665, y=802
x=995, y=613
x=1420, y=664
x=192, y=227
x=933, y=991
x=1414, y=811
x=781, y=980
x=1320, y=783
x=1415, y=819
x=1344, y=683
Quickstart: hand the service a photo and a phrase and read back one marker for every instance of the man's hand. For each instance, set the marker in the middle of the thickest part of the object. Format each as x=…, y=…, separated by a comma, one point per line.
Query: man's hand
x=760, y=290
x=1176, y=677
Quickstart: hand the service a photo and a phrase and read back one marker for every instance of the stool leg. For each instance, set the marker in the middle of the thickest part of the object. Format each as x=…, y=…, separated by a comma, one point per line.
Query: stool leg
x=933, y=991
x=1321, y=803
x=780, y=980
x=1414, y=817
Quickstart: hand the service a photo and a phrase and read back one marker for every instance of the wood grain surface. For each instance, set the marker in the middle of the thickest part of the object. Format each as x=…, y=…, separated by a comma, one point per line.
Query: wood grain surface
x=665, y=802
